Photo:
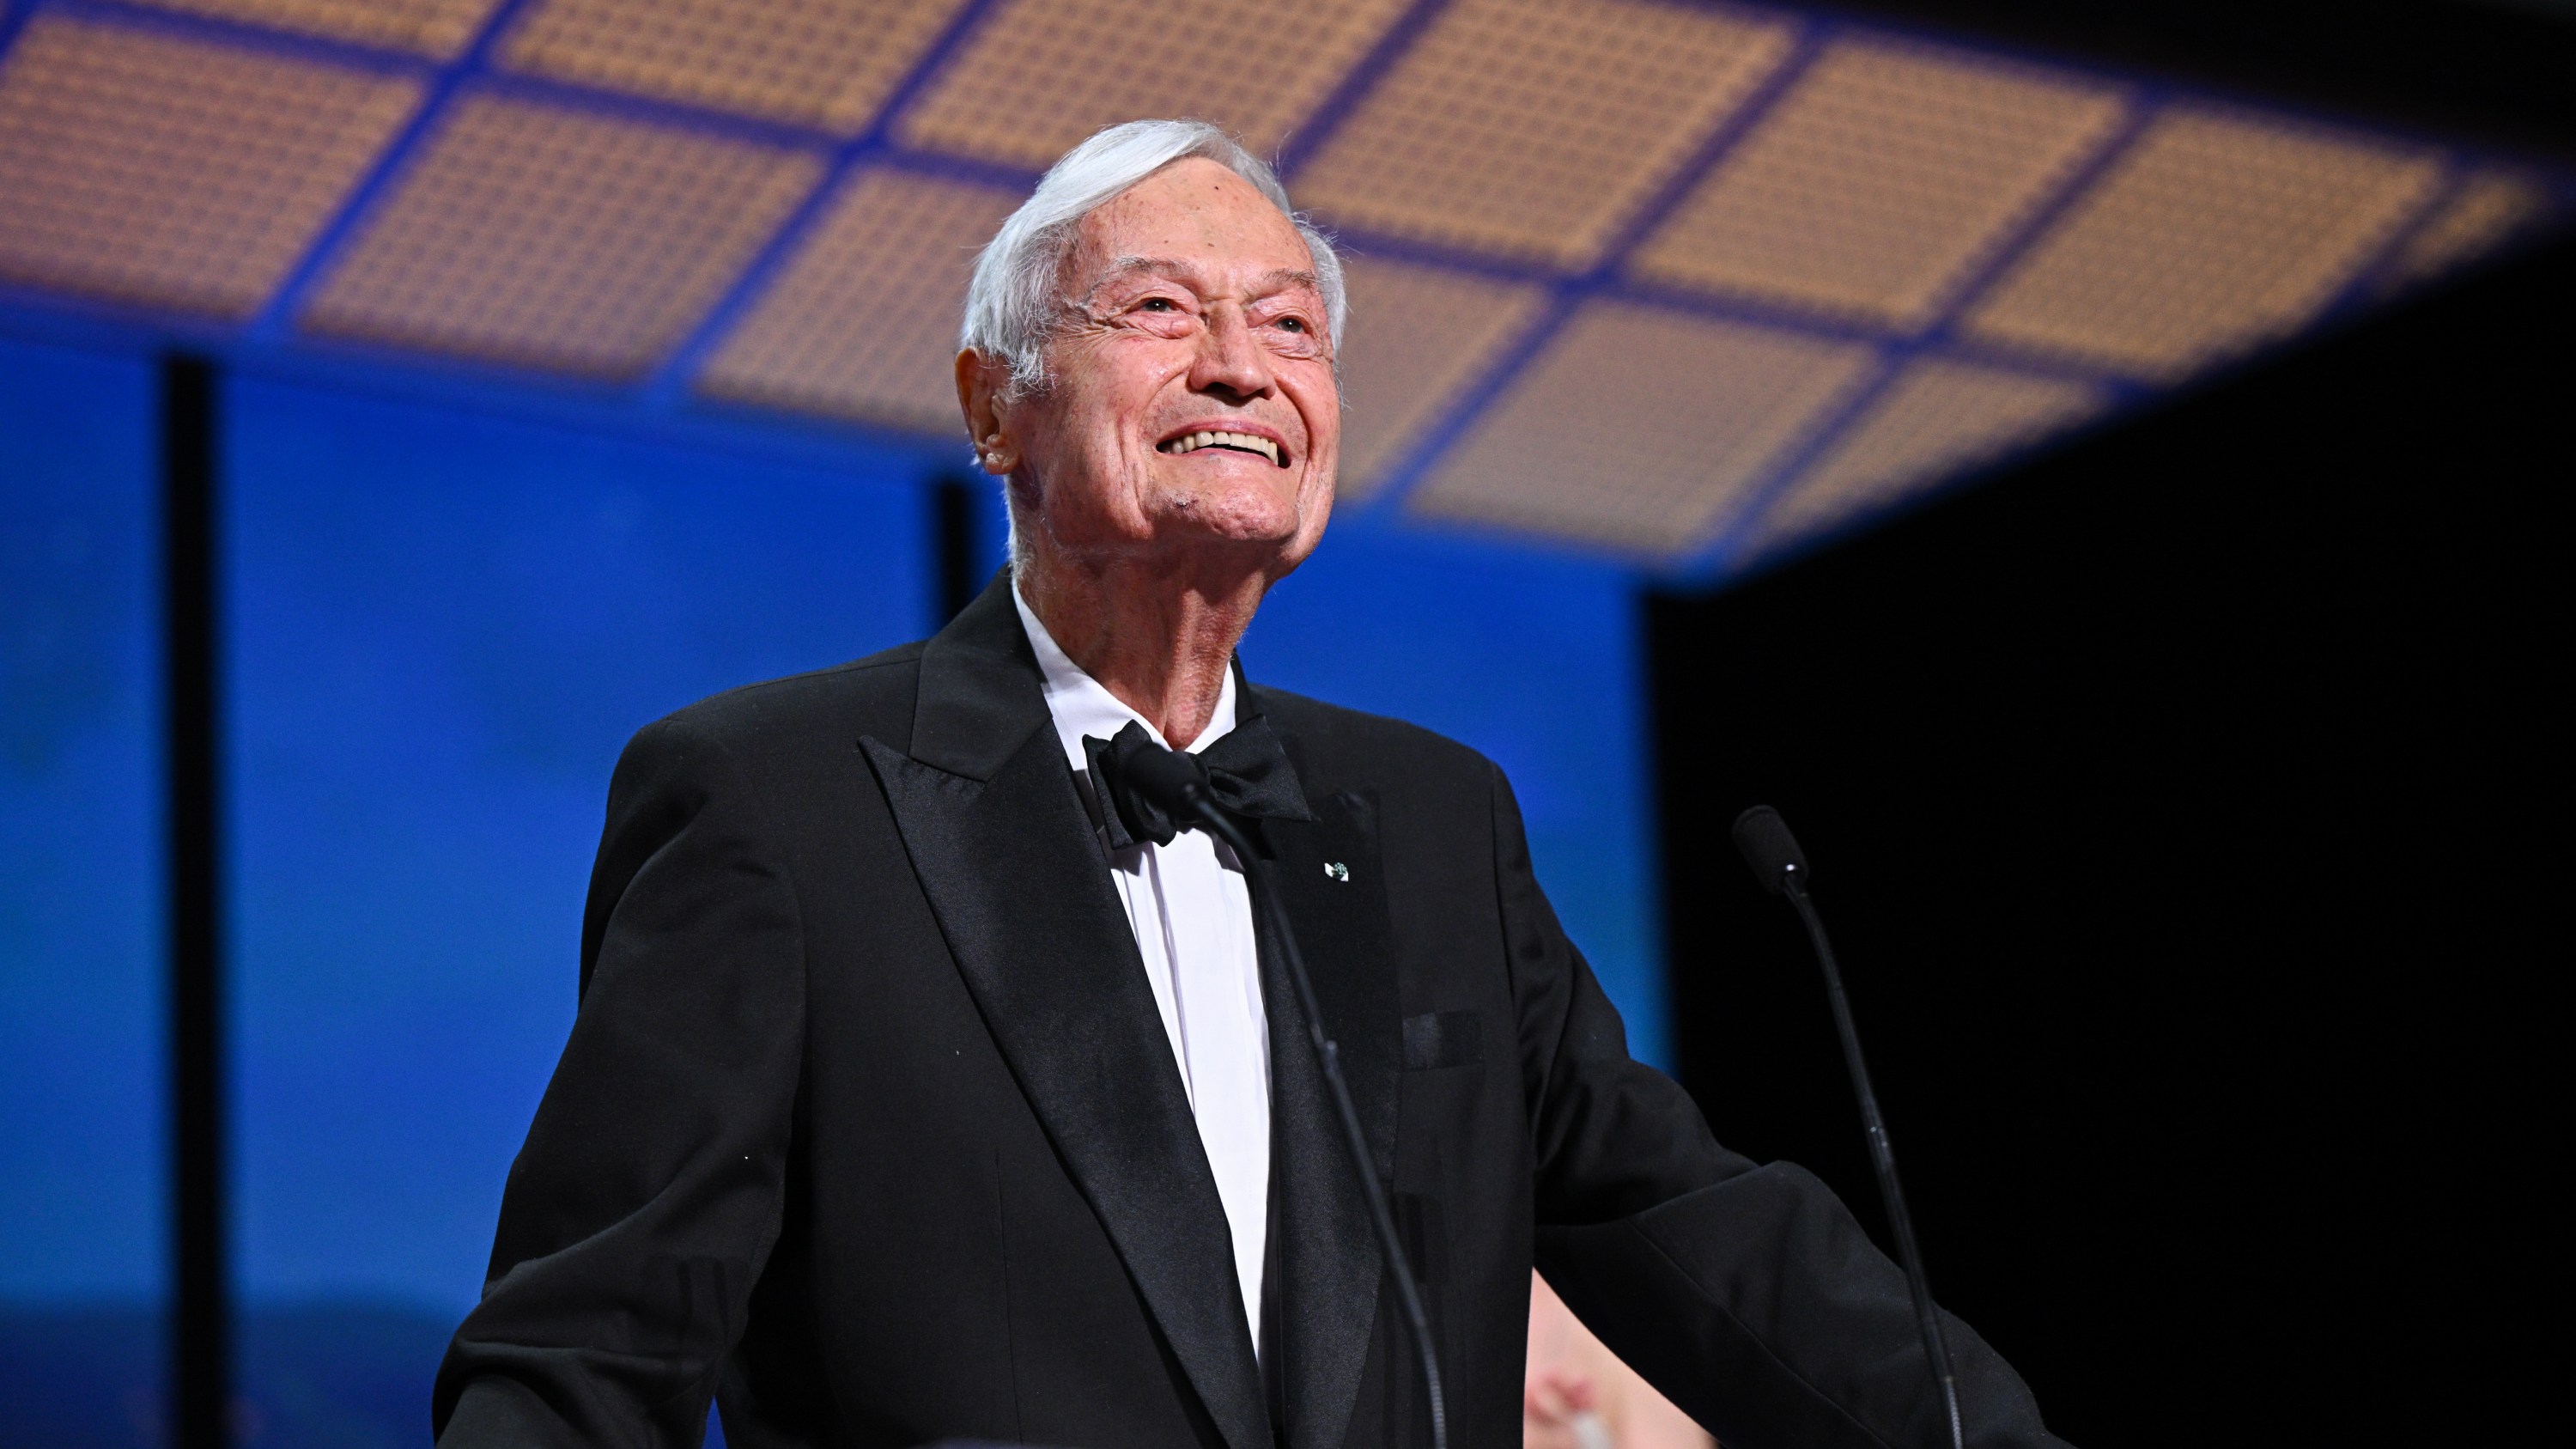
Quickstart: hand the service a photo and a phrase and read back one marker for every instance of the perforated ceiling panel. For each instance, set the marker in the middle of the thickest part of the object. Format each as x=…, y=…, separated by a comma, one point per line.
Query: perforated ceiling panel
x=2481, y=212
x=164, y=170
x=533, y=234
x=1629, y=273
x=863, y=322
x=1040, y=75
x=1641, y=428
x=1416, y=338
x=1938, y=417
x=438, y=28
x=2216, y=231
x=1879, y=181
x=824, y=63
x=1534, y=129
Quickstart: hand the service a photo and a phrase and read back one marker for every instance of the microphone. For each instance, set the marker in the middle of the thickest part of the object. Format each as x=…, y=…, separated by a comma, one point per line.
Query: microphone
x=1781, y=868
x=1176, y=782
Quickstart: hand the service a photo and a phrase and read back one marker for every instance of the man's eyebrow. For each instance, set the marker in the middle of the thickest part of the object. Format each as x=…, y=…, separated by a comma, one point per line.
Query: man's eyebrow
x=1283, y=278
x=1278, y=279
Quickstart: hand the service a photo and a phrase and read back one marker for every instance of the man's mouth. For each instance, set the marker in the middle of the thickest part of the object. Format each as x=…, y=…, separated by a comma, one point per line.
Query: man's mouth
x=1239, y=442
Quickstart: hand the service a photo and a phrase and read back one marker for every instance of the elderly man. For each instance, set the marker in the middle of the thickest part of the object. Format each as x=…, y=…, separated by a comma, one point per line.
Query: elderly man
x=926, y=1085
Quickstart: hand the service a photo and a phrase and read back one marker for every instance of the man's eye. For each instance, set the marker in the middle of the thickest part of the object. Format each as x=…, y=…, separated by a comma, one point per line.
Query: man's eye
x=1159, y=304
x=1293, y=324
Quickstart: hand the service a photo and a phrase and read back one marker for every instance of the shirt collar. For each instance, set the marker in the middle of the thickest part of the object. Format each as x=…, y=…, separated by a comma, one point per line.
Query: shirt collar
x=1082, y=705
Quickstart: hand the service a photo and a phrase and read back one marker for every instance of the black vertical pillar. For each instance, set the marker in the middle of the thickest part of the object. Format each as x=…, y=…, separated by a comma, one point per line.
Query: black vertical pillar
x=960, y=574
x=201, y=1361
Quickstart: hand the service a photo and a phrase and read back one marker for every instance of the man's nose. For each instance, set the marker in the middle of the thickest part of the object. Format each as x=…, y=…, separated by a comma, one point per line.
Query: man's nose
x=1230, y=360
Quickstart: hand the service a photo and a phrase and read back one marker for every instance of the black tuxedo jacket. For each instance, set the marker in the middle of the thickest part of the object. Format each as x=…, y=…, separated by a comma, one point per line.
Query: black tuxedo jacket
x=868, y=1125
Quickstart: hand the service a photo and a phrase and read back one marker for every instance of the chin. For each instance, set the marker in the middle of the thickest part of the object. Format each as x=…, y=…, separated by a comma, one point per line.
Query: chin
x=1230, y=533
x=1251, y=514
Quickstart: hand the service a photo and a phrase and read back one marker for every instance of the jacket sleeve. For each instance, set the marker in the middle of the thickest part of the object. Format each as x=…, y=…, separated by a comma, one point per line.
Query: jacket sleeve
x=1746, y=1293
x=648, y=1195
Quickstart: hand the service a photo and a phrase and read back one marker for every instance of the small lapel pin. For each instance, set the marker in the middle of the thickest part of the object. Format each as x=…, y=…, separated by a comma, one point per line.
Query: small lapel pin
x=1337, y=871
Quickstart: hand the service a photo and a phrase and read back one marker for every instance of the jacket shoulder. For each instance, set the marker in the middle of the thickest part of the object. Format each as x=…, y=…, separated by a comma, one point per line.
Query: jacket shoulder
x=870, y=696
x=1350, y=747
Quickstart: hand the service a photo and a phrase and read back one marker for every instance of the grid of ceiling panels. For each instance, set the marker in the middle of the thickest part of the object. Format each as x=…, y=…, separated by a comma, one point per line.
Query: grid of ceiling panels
x=1037, y=76
x=823, y=63
x=527, y=232
x=436, y=28
x=136, y=166
x=883, y=351
x=1642, y=427
x=1937, y=416
x=1692, y=282
x=2213, y=232
x=2484, y=208
x=1533, y=128
x=1417, y=338
x=1875, y=186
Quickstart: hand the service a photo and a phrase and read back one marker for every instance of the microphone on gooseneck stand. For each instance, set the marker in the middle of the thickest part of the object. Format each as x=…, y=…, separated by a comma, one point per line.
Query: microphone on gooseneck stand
x=1782, y=869
x=1176, y=783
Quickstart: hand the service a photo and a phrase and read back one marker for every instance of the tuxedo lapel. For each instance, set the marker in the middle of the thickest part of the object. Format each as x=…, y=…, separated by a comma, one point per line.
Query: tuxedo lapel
x=1328, y=1266
x=986, y=805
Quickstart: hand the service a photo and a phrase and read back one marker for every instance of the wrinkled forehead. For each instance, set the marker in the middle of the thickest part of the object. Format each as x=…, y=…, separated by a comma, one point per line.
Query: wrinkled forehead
x=1195, y=223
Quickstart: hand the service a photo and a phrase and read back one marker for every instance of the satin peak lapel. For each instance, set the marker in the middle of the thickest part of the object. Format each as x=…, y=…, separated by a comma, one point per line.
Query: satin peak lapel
x=1330, y=1268
x=1004, y=852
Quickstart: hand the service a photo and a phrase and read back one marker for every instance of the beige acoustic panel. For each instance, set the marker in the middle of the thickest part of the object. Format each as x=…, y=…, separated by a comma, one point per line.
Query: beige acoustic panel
x=2481, y=211
x=1040, y=75
x=1416, y=338
x=152, y=168
x=1884, y=175
x=862, y=322
x=1642, y=428
x=554, y=238
x=825, y=63
x=2214, y=232
x=1937, y=419
x=1535, y=128
x=439, y=28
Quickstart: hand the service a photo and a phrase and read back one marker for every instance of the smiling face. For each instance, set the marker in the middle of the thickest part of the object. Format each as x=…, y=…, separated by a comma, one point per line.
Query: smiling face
x=1189, y=413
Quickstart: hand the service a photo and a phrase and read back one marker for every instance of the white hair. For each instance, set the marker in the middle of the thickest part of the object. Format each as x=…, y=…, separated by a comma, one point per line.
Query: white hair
x=1011, y=305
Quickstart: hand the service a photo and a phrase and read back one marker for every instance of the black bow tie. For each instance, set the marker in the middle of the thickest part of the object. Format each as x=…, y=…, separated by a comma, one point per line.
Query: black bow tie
x=1246, y=772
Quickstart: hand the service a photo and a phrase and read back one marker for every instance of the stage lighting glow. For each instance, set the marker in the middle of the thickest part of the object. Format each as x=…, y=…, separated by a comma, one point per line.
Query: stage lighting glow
x=1418, y=336
x=1875, y=186
x=2216, y=231
x=168, y=172
x=1642, y=429
x=1530, y=129
x=439, y=29
x=822, y=63
x=863, y=321
x=1039, y=75
x=559, y=238
x=1937, y=418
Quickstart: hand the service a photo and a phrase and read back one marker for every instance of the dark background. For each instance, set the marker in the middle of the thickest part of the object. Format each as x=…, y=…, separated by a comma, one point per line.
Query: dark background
x=2184, y=805
x=2496, y=71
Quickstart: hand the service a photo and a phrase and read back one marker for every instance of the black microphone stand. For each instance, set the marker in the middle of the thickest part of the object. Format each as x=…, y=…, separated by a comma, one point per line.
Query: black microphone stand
x=1779, y=864
x=1214, y=819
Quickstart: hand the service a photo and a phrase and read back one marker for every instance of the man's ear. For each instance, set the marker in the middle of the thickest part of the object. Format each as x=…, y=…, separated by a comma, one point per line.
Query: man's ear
x=982, y=388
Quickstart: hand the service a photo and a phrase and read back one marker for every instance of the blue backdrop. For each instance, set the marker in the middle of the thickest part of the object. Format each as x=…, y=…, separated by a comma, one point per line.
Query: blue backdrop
x=441, y=624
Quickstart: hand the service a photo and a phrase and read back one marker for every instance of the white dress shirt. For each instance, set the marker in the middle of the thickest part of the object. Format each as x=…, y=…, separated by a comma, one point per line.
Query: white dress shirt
x=1191, y=911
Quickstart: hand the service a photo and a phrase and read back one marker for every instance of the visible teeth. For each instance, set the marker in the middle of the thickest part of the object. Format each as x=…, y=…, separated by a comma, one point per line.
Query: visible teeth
x=1249, y=442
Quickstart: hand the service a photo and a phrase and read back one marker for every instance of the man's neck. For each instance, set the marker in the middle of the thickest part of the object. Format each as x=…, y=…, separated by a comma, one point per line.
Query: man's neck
x=1160, y=639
